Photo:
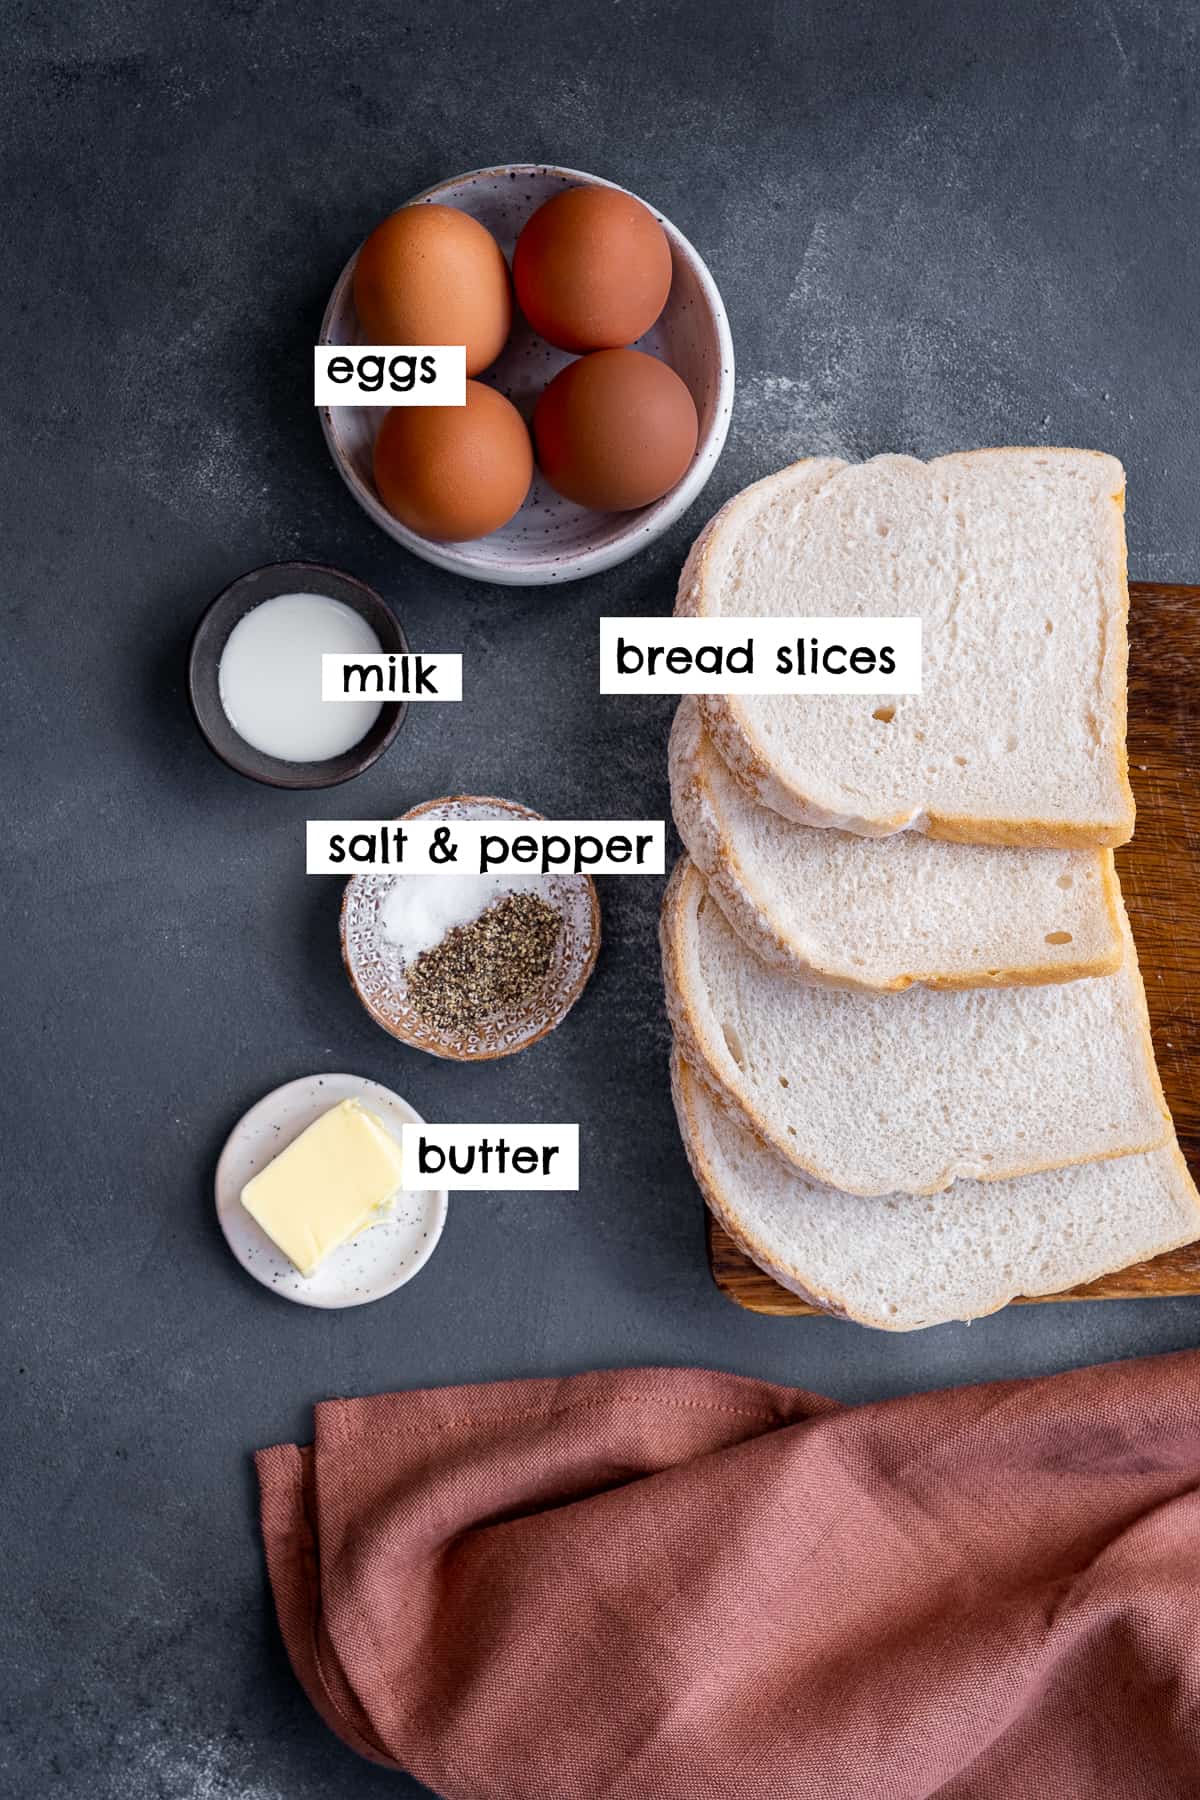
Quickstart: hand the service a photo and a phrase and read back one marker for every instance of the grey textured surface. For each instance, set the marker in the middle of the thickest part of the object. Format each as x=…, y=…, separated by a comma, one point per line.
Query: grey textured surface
x=935, y=226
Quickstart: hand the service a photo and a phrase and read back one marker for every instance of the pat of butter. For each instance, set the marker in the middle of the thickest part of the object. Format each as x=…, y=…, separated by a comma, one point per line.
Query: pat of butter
x=335, y=1179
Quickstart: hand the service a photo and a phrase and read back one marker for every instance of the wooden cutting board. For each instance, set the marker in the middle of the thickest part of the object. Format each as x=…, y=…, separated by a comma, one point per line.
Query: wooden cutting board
x=1160, y=876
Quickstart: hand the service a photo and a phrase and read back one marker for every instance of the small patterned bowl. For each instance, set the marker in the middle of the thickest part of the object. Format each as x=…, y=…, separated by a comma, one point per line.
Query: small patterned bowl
x=550, y=539
x=377, y=971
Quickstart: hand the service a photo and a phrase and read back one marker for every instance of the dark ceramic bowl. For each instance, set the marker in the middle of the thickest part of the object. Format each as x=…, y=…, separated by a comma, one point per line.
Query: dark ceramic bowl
x=211, y=636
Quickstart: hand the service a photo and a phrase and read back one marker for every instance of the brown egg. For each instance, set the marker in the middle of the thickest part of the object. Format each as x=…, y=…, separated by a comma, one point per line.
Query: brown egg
x=592, y=269
x=454, y=472
x=615, y=430
x=431, y=275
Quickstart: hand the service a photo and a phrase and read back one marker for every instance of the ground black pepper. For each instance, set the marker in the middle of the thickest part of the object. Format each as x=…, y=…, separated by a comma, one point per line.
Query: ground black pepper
x=480, y=969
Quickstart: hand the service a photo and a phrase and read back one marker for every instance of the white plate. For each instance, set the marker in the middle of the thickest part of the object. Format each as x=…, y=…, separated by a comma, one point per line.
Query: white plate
x=375, y=1263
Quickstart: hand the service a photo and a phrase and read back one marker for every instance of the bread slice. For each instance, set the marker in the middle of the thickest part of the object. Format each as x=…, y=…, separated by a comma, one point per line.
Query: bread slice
x=1015, y=561
x=883, y=913
x=905, y=1261
x=883, y=1093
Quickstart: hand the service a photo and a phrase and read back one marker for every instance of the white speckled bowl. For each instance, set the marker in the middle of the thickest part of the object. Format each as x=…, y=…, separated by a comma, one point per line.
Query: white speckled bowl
x=550, y=539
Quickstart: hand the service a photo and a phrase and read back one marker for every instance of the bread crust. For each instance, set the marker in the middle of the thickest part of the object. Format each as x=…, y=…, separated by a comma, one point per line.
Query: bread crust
x=684, y=890
x=745, y=1240
x=683, y=1078
x=735, y=740
x=715, y=852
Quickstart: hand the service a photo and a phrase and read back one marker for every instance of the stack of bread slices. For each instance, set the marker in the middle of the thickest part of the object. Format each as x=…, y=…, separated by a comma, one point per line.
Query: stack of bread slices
x=912, y=1061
